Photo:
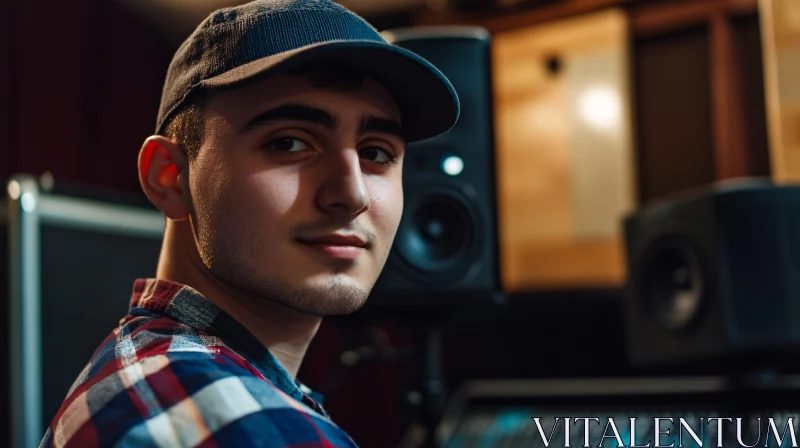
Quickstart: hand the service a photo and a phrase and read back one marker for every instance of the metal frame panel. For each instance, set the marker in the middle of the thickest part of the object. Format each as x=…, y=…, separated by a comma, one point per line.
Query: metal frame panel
x=28, y=209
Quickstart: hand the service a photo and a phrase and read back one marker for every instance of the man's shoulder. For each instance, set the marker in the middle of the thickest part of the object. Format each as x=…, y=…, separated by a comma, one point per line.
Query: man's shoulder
x=169, y=385
x=151, y=336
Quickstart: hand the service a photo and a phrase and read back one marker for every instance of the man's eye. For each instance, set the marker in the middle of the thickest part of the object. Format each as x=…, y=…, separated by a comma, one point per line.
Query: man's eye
x=287, y=144
x=377, y=154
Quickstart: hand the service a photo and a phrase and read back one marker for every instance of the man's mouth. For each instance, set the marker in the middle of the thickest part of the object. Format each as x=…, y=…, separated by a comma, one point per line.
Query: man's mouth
x=338, y=246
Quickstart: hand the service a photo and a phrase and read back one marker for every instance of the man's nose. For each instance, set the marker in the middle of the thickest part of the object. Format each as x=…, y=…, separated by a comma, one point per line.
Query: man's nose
x=344, y=190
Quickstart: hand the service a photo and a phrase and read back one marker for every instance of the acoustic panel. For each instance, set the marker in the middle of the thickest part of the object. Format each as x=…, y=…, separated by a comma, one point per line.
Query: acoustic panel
x=564, y=151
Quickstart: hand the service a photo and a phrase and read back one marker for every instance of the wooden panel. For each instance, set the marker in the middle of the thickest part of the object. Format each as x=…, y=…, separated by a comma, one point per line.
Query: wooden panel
x=699, y=90
x=514, y=19
x=733, y=153
x=673, y=113
x=565, y=168
x=781, y=43
x=730, y=139
x=747, y=34
x=652, y=18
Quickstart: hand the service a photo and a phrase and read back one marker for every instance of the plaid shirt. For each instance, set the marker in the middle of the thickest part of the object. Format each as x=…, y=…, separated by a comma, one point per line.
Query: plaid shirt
x=178, y=371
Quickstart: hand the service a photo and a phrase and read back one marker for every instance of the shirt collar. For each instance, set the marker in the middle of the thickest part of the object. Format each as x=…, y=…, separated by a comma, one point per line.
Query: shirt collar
x=187, y=306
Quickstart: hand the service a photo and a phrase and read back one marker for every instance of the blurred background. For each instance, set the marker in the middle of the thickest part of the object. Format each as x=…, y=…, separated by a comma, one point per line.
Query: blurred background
x=610, y=227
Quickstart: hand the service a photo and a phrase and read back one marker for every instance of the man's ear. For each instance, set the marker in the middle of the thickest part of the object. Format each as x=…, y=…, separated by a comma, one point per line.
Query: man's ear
x=163, y=171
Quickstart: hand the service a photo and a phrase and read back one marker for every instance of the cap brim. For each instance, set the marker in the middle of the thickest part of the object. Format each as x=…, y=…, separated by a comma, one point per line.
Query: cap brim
x=428, y=102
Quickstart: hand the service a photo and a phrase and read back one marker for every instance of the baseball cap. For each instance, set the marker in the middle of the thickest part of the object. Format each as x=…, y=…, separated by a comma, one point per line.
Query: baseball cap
x=238, y=44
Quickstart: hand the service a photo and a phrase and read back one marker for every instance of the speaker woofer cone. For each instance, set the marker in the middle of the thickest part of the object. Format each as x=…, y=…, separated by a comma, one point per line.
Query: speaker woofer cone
x=673, y=283
x=438, y=234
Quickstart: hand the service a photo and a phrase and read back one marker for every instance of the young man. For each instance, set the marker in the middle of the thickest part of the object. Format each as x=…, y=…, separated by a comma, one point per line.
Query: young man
x=277, y=162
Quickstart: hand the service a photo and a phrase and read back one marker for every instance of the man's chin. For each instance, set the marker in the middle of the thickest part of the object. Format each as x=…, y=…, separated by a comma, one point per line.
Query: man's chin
x=324, y=306
x=318, y=293
x=330, y=295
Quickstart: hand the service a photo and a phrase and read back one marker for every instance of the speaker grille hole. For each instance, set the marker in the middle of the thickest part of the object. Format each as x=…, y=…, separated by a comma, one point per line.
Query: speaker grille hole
x=437, y=234
x=673, y=283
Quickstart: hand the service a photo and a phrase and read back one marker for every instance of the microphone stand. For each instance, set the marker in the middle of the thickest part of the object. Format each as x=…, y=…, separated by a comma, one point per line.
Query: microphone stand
x=429, y=400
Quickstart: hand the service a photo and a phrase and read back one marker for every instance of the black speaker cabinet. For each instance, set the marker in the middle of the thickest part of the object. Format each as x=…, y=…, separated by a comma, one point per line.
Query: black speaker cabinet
x=714, y=274
x=445, y=250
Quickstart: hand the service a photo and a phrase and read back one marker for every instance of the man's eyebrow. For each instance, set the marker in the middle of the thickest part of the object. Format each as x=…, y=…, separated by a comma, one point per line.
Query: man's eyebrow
x=292, y=112
x=371, y=123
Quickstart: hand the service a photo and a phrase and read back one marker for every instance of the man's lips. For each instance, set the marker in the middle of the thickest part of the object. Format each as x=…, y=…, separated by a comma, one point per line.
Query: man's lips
x=335, y=240
x=341, y=247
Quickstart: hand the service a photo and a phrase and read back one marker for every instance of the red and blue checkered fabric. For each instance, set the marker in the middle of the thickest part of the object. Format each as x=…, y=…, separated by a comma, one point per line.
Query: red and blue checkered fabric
x=179, y=372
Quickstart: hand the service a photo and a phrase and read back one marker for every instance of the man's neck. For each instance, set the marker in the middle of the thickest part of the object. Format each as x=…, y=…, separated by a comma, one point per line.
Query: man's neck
x=285, y=332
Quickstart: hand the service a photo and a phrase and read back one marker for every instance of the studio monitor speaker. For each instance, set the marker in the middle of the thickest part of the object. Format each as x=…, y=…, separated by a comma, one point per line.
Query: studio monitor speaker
x=714, y=274
x=445, y=250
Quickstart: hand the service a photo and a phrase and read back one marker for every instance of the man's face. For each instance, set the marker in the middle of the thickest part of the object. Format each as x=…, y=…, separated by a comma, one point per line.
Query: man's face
x=296, y=191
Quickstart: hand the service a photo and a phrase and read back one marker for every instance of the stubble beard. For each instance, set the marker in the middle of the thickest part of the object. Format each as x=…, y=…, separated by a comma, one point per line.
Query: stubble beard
x=225, y=259
x=339, y=296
